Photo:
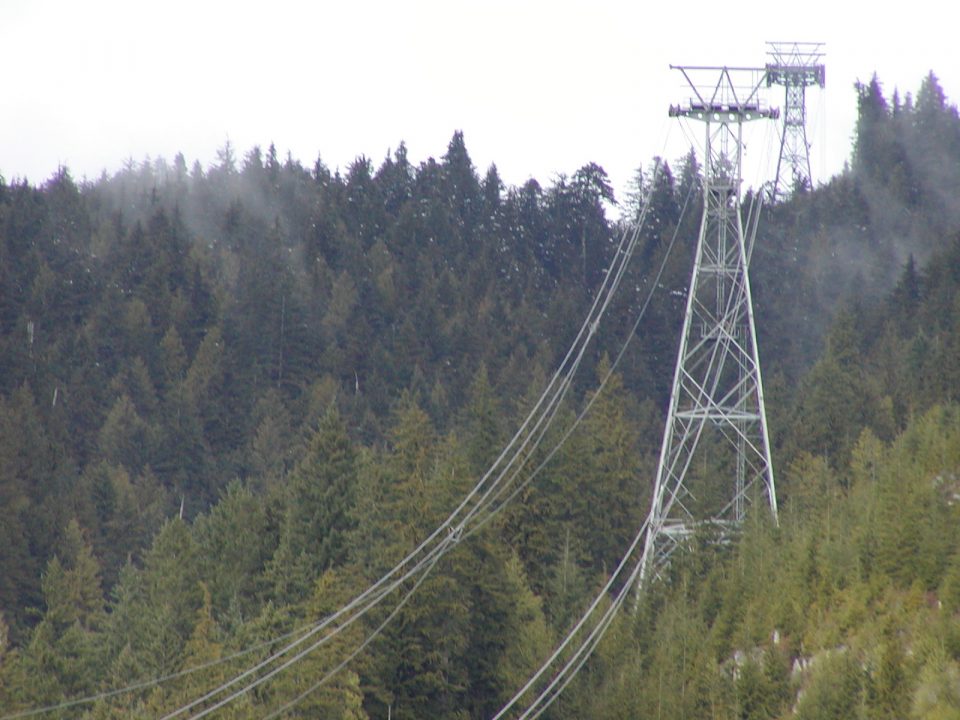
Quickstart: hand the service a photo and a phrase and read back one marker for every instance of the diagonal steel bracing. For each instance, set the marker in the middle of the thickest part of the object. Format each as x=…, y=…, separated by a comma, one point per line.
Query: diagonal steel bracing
x=716, y=403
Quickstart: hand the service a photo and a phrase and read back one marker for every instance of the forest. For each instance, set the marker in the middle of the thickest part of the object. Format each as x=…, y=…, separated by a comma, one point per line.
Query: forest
x=232, y=397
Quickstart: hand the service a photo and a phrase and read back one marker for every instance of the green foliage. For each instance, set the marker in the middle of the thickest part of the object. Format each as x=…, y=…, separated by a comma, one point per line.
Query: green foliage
x=318, y=509
x=232, y=398
x=937, y=696
x=235, y=541
x=762, y=687
x=63, y=656
x=834, y=689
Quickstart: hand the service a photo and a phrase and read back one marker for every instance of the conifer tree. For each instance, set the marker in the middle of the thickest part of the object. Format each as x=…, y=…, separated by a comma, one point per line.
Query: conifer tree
x=63, y=657
x=318, y=509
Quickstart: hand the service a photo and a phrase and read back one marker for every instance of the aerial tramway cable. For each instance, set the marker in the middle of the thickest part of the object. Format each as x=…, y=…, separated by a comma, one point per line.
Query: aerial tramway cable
x=606, y=378
x=491, y=501
x=374, y=595
x=583, y=651
x=580, y=656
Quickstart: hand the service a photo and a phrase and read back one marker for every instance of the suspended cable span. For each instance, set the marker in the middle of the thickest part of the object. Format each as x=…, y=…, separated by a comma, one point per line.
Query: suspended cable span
x=573, y=666
x=577, y=626
x=484, y=520
x=606, y=378
x=427, y=562
x=303, y=653
x=360, y=648
x=628, y=253
x=374, y=591
x=492, y=513
x=586, y=648
x=374, y=594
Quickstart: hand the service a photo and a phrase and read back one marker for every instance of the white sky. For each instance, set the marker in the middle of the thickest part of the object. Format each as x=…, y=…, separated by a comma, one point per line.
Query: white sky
x=539, y=88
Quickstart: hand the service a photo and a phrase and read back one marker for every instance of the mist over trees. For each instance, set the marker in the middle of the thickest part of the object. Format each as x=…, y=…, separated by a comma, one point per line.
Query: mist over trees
x=231, y=397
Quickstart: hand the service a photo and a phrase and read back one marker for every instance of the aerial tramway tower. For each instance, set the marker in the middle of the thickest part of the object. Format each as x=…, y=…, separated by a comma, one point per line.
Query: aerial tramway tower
x=715, y=455
x=796, y=66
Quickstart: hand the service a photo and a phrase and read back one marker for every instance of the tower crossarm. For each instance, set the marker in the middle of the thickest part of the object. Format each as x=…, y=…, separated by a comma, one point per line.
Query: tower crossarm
x=723, y=95
x=796, y=76
x=723, y=113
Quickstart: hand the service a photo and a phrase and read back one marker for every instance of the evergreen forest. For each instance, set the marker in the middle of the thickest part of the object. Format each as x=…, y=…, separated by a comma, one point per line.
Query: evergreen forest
x=232, y=397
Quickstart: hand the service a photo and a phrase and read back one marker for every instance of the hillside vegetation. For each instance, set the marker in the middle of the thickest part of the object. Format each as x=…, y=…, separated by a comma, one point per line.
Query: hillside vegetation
x=232, y=397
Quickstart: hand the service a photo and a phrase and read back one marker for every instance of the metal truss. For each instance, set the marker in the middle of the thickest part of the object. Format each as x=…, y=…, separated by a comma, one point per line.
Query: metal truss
x=716, y=404
x=796, y=66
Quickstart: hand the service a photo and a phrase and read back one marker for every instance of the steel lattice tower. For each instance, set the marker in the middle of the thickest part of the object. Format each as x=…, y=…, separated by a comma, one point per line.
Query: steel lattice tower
x=796, y=66
x=716, y=404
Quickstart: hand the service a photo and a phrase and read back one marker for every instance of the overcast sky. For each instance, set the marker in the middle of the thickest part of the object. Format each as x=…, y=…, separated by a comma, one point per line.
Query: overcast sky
x=539, y=88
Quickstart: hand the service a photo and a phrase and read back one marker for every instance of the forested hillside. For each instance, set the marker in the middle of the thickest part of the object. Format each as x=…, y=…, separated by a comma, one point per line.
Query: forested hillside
x=232, y=397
